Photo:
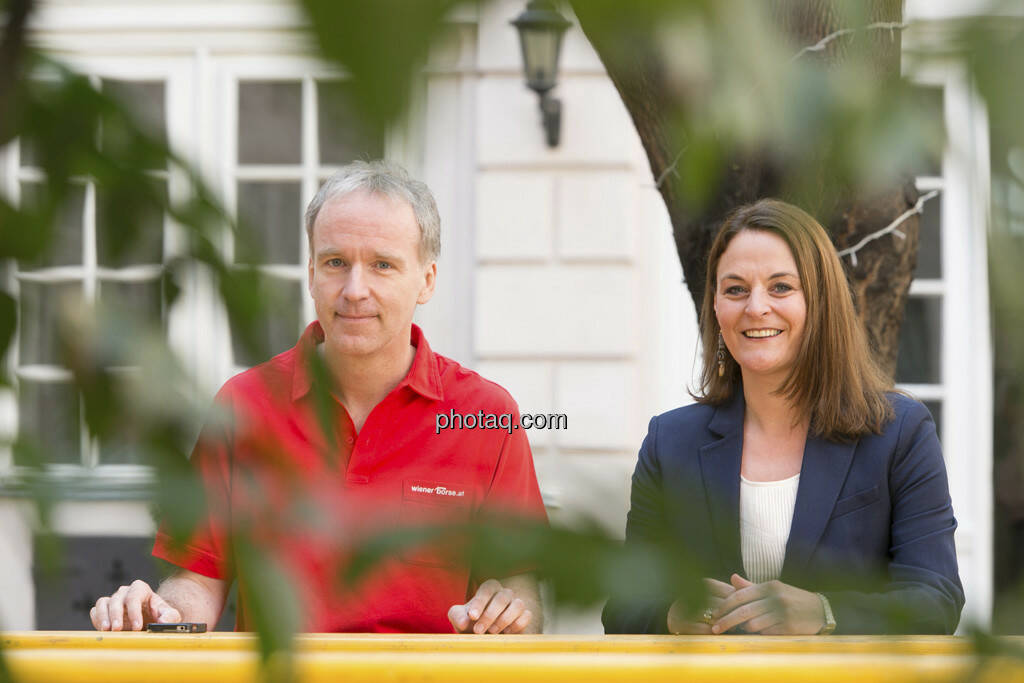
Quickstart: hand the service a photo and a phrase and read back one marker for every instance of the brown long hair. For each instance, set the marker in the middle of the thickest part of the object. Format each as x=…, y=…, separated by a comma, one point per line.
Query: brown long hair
x=835, y=379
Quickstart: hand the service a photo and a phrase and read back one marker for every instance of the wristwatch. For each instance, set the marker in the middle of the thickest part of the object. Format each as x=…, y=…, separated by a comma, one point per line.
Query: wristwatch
x=830, y=618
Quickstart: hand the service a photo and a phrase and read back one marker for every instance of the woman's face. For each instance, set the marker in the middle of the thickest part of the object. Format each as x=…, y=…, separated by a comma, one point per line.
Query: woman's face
x=759, y=302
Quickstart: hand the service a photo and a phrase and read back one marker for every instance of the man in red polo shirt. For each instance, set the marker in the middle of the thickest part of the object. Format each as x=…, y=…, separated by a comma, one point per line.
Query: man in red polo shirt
x=303, y=482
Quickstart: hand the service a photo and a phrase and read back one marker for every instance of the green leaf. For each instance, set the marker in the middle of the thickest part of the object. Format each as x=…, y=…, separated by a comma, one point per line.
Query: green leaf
x=271, y=602
x=381, y=44
x=8, y=324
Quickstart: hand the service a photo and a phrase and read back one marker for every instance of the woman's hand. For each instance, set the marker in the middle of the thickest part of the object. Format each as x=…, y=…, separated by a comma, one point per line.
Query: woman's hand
x=771, y=608
x=682, y=621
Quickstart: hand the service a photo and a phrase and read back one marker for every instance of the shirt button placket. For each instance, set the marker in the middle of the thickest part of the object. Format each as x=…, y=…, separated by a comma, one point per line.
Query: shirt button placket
x=351, y=441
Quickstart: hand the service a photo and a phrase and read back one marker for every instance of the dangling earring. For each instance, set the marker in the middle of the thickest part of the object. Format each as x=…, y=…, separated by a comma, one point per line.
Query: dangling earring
x=721, y=355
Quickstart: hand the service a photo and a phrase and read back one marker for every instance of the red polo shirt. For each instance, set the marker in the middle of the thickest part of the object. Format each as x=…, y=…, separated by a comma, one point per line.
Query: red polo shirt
x=306, y=486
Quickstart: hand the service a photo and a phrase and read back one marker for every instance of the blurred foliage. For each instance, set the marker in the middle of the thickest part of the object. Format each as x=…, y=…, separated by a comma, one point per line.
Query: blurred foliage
x=995, y=49
x=381, y=45
x=744, y=88
x=272, y=603
x=583, y=565
x=77, y=133
x=731, y=82
x=1006, y=251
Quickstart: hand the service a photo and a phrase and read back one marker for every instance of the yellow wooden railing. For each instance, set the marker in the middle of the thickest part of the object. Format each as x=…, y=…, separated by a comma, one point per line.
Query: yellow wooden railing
x=111, y=657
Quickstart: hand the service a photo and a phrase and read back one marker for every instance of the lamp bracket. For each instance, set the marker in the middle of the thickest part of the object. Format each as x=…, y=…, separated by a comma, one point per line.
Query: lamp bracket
x=551, y=118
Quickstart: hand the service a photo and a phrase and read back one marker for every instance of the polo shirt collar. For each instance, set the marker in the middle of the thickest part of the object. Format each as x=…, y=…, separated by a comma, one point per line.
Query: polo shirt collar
x=423, y=376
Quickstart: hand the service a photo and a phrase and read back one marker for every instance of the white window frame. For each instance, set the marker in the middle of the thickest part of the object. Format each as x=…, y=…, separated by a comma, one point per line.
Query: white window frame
x=91, y=479
x=228, y=72
x=966, y=355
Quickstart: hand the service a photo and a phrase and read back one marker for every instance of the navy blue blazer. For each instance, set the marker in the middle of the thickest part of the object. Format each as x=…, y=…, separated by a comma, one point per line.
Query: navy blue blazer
x=872, y=527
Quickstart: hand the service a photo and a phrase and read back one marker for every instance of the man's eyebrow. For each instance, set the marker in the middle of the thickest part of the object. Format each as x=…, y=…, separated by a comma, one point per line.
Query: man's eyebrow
x=330, y=252
x=388, y=256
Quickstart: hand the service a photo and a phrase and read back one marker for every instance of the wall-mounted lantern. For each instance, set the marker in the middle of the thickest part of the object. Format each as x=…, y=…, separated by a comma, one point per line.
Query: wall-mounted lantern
x=541, y=28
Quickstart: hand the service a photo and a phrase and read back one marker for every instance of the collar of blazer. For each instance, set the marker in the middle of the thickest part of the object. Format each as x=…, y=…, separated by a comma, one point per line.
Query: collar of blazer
x=822, y=474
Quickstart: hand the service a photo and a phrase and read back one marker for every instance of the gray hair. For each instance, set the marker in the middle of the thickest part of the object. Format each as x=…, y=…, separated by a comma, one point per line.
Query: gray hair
x=388, y=179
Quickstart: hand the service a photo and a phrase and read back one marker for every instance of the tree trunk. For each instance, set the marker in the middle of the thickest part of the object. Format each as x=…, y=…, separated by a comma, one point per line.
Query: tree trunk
x=884, y=268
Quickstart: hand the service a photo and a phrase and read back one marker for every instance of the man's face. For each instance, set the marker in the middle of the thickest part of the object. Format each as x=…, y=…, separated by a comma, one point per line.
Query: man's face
x=365, y=274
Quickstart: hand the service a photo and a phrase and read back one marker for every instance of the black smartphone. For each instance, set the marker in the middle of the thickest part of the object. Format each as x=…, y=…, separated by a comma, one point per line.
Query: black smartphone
x=184, y=627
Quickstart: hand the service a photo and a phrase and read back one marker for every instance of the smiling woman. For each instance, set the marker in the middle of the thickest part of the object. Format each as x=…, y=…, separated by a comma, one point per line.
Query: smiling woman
x=832, y=375
x=760, y=305
x=799, y=465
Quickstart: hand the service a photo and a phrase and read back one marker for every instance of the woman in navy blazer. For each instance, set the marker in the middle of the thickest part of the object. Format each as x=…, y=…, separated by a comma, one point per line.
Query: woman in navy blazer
x=790, y=396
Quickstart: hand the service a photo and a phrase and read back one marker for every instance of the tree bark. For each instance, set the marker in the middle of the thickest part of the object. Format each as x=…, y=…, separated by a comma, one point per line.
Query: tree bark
x=880, y=280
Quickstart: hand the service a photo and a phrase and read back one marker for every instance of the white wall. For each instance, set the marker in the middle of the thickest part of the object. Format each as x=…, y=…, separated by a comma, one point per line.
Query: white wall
x=579, y=302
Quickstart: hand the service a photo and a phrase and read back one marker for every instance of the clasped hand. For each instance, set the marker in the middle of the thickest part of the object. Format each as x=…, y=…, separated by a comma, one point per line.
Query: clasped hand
x=770, y=608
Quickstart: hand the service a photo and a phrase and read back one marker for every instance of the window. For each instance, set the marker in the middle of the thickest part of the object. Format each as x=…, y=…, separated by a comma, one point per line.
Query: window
x=86, y=264
x=292, y=133
x=919, y=364
x=266, y=132
x=945, y=344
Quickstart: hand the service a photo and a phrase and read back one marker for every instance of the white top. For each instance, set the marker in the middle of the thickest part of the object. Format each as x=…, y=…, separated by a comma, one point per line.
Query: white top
x=766, y=513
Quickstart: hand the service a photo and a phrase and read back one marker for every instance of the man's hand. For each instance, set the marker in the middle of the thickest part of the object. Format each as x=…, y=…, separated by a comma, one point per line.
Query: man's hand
x=683, y=622
x=494, y=609
x=771, y=608
x=131, y=608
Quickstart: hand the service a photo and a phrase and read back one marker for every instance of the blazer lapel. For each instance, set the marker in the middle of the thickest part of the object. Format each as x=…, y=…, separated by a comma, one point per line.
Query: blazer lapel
x=822, y=474
x=720, y=469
